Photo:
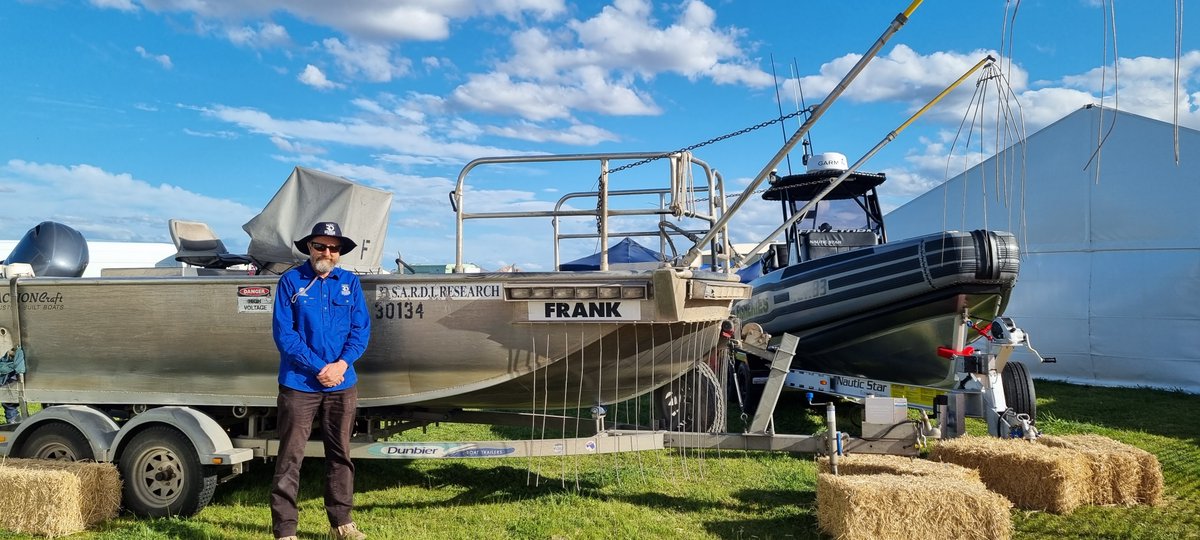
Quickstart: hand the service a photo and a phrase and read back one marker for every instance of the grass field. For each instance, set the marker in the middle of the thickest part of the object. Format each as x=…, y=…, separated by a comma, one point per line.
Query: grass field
x=684, y=494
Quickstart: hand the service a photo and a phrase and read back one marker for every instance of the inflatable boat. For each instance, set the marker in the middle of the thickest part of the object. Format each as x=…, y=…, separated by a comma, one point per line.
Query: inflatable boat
x=861, y=305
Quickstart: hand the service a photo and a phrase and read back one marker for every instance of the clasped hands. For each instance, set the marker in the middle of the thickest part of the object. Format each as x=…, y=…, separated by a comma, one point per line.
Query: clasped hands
x=333, y=374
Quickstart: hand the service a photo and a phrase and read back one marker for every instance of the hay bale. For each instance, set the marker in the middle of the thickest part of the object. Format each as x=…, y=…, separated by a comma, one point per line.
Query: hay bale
x=59, y=497
x=903, y=507
x=46, y=499
x=1123, y=474
x=1032, y=476
x=898, y=465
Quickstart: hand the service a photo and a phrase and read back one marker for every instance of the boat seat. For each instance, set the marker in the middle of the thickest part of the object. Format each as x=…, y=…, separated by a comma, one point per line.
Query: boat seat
x=817, y=244
x=196, y=244
x=775, y=258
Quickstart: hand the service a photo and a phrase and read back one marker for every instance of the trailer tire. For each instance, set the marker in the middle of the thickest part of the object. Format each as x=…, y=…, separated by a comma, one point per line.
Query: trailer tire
x=694, y=402
x=163, y=476
x=1019, y=394
x=57, y=441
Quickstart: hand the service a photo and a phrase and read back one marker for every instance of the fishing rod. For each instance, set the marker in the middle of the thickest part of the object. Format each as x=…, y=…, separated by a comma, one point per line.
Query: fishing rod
x=739, y=259
x=779, y=105
x=800, y=106
x=901, y=18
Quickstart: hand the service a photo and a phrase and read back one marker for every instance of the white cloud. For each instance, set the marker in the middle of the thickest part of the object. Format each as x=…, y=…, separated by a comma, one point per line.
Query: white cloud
x=1143, y=85
x=902, y=75
x=162, y=59
x=370, y=20
x=623, y=36
x=120, y=5
x=108, y=206
x=596, y=64
x=312, y=76
x=497, y=93
x=222, y=134
x=460, y=128
x=1042, y=107
x=941, y=157
x=368, y=61
x=409, y=139
x=296, y=147
x=903, y=185
x=573, y=134
x=368, y=105
x=432, y=63
x=265, y=34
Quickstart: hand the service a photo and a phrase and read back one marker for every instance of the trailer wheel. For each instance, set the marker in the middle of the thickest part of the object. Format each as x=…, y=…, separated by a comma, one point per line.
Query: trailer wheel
x=1018, y=389
x=57, y=441
x=163, y=475
x=694, y=402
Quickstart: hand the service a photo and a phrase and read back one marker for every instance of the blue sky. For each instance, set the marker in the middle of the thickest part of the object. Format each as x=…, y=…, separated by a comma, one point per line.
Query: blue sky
x=122, y=114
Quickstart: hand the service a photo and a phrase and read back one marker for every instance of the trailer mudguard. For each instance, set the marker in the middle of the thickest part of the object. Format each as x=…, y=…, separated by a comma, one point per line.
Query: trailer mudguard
x=96, y=427
x=213, y=446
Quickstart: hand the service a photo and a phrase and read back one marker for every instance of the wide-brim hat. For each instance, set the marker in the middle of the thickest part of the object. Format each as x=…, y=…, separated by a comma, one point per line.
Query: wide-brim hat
x=330, y=229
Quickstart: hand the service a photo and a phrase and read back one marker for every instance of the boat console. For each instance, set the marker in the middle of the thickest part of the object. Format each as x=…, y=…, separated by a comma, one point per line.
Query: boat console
x=822, y=243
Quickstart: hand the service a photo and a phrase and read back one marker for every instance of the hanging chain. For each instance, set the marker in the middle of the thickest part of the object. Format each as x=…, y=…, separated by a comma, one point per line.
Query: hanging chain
x=712, y=140
x=739, y=132
x=736, y=195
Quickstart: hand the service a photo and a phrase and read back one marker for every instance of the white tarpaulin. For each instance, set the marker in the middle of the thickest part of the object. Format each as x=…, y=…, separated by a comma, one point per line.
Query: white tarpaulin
x=1110, y=267
x=310, y=196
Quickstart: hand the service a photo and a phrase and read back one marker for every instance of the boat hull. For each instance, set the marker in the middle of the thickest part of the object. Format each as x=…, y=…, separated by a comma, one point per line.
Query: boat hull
x=466, y=340
x=881, y=312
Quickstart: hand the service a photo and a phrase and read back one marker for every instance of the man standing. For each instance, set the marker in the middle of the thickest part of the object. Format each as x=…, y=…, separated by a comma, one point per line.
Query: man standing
x=321, y=328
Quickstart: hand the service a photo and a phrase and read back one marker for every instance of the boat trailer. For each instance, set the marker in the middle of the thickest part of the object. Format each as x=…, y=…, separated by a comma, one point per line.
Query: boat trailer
x=1005, y=401
x=886, y=426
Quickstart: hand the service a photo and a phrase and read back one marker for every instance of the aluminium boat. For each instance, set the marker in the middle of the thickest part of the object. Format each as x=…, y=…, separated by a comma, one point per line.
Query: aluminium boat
x=502, y=340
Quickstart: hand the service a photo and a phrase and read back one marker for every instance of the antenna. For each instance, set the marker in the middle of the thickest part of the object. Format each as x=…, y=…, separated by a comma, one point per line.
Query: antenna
x=779, y=105
x=807, y=144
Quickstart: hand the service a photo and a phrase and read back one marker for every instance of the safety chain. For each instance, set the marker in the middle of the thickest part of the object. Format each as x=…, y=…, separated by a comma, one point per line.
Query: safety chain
x=742, y=131
x=736, y=195
x=712, y=140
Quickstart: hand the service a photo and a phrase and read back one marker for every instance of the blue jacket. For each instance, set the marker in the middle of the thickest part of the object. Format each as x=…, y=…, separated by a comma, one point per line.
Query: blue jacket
x=327, y=322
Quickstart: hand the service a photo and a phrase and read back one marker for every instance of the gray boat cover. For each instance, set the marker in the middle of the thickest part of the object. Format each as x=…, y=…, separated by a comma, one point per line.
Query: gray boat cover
x=310, y=196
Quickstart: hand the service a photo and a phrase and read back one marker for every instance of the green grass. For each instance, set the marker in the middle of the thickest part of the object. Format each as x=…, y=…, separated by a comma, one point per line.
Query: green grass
x=684, y=494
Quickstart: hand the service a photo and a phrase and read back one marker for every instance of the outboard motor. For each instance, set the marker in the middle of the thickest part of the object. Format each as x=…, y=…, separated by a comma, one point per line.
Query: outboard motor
x=53, y=250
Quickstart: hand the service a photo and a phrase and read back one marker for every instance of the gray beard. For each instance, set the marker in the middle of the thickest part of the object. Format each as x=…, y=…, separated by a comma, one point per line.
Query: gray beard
x=323, y=266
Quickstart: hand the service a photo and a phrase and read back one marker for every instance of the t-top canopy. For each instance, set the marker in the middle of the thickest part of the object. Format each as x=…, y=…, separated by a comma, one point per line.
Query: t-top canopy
x=805, y=186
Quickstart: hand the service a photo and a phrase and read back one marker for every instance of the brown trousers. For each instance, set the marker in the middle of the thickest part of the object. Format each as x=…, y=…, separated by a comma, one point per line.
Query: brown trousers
x=296, y=413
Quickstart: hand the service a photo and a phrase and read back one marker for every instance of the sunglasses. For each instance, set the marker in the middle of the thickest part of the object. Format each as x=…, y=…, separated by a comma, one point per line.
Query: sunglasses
x=335, y=248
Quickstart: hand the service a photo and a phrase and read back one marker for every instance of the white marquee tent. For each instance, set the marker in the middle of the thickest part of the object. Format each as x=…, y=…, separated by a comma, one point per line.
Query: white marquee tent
x=104, y=255
x=1110, y=270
